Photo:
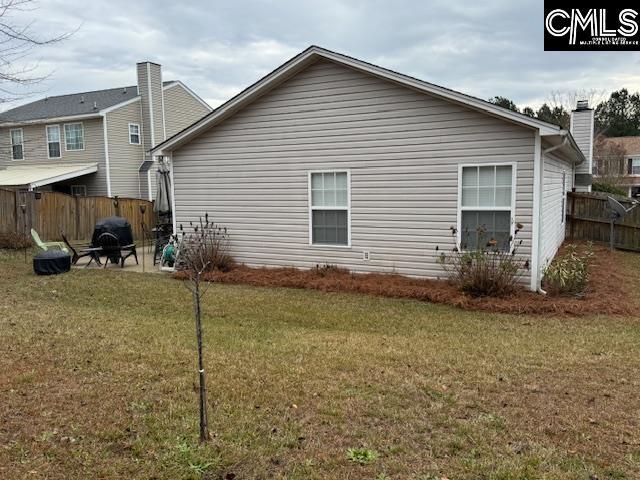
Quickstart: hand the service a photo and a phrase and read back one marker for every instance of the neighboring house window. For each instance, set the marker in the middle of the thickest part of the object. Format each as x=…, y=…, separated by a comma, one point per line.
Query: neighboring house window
x=17, y=144
x=329, y=216
x=635, y=166
x=564, y=196
x=74, y=136
x=79, y=190
x=134, y=134
x=486, y=206
x=53, y=141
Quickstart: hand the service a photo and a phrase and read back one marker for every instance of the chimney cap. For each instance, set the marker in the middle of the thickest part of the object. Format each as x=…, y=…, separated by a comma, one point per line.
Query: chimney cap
x=582, y=105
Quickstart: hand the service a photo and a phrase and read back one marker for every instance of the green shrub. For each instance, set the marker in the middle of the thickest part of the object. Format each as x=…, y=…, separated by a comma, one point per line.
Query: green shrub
x=608, y=188
x=568, y=274
x=488, y=270
x=14, y=240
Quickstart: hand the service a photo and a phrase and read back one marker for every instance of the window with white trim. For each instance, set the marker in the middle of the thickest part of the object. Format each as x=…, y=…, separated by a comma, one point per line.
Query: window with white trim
x=53, y=141
x=486, y=206
x=134, y=134
x=74, y=136
x=79, y=190
x=329, y=208
x=635, y=166
x=17, y=144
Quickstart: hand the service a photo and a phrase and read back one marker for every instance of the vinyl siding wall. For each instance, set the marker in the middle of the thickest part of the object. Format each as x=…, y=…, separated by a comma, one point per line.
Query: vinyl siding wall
x=124, y=158
x=552, y=220
x=181, y=109
x=35, y=151
x=403, y=148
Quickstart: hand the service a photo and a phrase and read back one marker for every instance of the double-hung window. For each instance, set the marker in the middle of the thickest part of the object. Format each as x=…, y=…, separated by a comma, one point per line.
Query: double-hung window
x=329, y=215
x=134, y=134
x=486, y=202
x=74, y=136
x=635, y=166
x=17, y=144
x=53, y=141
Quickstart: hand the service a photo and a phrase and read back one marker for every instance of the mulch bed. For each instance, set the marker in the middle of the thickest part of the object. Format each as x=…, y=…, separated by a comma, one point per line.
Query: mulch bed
x=609, y=292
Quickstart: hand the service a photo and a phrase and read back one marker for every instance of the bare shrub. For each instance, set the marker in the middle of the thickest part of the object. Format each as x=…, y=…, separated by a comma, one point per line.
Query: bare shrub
x=212, y=243
x=14, y=240
x=488, y=270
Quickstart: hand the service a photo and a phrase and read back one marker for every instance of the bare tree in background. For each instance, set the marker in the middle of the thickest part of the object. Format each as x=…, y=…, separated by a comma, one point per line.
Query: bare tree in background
x=568, y=99
x=609, y=158
x=17, y=41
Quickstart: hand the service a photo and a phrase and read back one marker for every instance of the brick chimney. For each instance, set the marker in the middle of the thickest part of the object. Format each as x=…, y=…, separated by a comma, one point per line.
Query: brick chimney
x=582, y=131
x=150, y=91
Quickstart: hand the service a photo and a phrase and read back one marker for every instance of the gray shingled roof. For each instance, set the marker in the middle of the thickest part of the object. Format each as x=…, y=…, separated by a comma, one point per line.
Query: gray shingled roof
x=70, y=105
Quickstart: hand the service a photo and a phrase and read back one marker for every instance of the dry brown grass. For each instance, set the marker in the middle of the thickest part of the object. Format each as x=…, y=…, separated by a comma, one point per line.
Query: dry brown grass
x=97, y=371
x=609, y=291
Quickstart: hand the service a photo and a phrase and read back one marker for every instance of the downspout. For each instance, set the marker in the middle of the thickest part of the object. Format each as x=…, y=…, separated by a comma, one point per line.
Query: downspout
x=565, y=140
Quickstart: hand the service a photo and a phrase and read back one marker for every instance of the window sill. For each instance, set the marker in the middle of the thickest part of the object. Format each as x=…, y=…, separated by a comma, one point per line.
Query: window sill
x=328, y=245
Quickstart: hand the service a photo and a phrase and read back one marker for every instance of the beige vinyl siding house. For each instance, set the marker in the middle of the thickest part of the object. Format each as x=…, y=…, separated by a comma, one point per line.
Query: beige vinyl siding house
x=125, y=157
x=558, y=181
x=328, y=149
x=101, y=123
x=181, y=107
x=36, y=150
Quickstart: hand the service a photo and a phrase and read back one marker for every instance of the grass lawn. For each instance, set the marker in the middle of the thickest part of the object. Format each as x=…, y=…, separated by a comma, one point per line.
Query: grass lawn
x=97, y=380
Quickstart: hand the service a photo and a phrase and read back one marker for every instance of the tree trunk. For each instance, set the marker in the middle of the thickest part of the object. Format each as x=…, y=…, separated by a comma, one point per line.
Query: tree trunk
x=204, y=431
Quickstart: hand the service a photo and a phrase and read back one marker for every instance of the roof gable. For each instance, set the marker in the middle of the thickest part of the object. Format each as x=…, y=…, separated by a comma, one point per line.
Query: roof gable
x=312, y=54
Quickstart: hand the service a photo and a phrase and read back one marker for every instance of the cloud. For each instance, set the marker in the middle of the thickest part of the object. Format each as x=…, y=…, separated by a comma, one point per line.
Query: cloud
x=219, y=48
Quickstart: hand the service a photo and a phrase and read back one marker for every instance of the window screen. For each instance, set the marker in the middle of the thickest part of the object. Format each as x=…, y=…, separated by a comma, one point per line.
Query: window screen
x=329, y=208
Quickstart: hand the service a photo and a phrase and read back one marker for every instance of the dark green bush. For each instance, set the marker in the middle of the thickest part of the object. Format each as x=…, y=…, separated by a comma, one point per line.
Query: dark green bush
x=608, y=188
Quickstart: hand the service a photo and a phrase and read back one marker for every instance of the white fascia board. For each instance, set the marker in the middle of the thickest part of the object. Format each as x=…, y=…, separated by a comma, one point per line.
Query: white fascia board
x=59, y=178
x=313, y=53
x=51, y=120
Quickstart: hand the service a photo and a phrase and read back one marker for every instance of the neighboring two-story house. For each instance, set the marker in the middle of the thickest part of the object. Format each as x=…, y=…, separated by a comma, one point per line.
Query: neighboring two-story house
x=619, y=157
x=95, y=143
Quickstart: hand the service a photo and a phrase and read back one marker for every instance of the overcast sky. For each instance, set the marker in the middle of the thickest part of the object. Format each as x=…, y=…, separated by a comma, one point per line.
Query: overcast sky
x=483, y=48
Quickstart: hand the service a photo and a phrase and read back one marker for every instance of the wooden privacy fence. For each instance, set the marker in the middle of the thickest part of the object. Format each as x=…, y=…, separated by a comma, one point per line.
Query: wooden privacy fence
x=589, y=219
x=54, y=213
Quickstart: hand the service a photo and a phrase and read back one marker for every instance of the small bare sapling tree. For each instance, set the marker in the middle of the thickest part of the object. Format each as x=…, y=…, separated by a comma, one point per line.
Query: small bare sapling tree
x=201, y=249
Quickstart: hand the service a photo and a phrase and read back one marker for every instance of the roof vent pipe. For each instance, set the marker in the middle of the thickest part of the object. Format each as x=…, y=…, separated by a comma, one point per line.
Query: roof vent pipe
x=124, y=90
x=82, y=99
x=95, y=105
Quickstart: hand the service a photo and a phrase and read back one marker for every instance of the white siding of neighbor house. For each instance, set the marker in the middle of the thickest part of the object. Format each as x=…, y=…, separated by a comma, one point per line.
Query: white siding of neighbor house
x=124, y=158
x=553, y=227
x=181, y=108
x=35, y=151
x=403, y=149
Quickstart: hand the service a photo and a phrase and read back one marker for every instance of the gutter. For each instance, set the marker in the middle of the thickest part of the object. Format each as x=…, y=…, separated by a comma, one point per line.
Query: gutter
x=565, y=139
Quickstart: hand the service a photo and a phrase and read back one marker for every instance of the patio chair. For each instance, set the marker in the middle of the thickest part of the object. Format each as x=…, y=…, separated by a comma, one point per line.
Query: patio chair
x=110, y=247
x=92, y=252
x=44, y=246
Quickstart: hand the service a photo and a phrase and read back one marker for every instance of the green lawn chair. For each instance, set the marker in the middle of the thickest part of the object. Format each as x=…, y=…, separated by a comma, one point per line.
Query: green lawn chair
x=47, y=245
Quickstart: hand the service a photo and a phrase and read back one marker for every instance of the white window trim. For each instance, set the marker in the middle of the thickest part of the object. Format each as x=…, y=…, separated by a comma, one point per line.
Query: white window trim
x=512, y=208
x=139, y=134
x=635, y=160
x=84, y=187
x=312, y=208
x=11, y=143
x=46, y=136
x=65, y=138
